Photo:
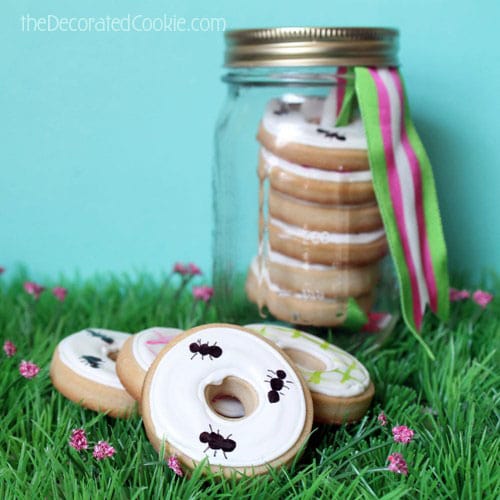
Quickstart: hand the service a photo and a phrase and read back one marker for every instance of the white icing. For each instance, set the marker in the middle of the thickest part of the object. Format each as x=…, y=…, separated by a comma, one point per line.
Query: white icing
x=329, y=108
x=343, y=376
x=291, y=98
x=179, y=412
x=272, y=161
x=262, y=275
x=280, y=258
x=300, y=125
x=147, y=344
x=299, y=203
x=325, y=237
x=83, y=343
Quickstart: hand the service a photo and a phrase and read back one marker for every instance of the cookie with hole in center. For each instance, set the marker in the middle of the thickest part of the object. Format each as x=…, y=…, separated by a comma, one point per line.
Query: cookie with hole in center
x=340, y=385
x=316, y=185
x=292, y=131
x=83, y=369
x=307, y=307
x=323, y=217
x=138, y=353
x=193, y=369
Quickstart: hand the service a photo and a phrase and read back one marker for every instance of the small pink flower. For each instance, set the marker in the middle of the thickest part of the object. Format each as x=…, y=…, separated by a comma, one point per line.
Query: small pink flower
x=173, y=463
x=204, y=293
x=398, y=464
x=181, y=269
x=482, y=298
x=28, y=369
x=60, y=293
x=9, y=348
x=2, y=270
x=194, y=270
x=456, y=295
x=382, y=418
x=33, y=289
x=402, y=434
x=78, y=440
x=103, y=450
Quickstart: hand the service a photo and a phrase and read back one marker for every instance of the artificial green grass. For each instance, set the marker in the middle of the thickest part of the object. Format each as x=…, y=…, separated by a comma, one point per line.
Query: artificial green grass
x=450, y=403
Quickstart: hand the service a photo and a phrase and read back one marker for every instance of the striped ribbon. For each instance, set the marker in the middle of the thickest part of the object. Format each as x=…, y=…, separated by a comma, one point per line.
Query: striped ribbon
x=345, y=95
x=405, y=191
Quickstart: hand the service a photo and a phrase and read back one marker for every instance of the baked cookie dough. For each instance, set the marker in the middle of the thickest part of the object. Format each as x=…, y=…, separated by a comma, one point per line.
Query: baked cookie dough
x=189, y=373
x=340, y=385
x=83, y=369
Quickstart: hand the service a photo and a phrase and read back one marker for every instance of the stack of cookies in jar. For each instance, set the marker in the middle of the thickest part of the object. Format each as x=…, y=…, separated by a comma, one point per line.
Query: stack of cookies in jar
x=321, y=233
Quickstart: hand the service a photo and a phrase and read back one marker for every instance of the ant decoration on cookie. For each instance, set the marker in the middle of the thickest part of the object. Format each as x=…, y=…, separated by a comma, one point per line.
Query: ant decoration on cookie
x=284, y=109
x=212, y=351
x=330, y=135
x=101, y=336
x=92, y=361
x=216, y=442
x=277, y=382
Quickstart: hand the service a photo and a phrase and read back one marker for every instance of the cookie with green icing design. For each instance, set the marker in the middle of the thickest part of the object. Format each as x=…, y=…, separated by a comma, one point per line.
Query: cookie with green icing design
x=340, y=385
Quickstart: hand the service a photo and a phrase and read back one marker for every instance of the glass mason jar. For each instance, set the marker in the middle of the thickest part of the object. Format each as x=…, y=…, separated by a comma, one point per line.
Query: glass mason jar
x=298, y=233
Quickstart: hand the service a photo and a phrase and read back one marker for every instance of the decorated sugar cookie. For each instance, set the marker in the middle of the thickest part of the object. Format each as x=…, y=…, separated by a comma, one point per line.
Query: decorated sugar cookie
x=83, y=369
x=310, y=305
x=324, y=217
x=292, y=132
x=340, y=385
x=225, y=359
x=321, y=236
x=316, y=185
x=137, y=355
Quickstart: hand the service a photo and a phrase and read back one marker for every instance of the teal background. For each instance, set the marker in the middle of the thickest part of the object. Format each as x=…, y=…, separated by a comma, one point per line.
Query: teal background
x=106, y=138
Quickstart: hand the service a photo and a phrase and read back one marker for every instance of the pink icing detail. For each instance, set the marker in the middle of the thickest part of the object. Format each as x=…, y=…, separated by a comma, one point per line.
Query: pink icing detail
x=341, y=84
x=417, y=182
x=160, y=339
x=395, y=189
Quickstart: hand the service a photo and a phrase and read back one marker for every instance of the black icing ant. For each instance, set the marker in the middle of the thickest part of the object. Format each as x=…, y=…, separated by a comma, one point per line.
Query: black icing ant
x=217, y=441
x=283, y=109
x=103, y=337
x=92, y=361
x=276, y=379
x=330, y=135
x=212, y=351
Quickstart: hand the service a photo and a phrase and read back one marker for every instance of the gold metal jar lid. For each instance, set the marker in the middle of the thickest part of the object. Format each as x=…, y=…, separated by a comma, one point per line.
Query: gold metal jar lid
x=303, y=46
